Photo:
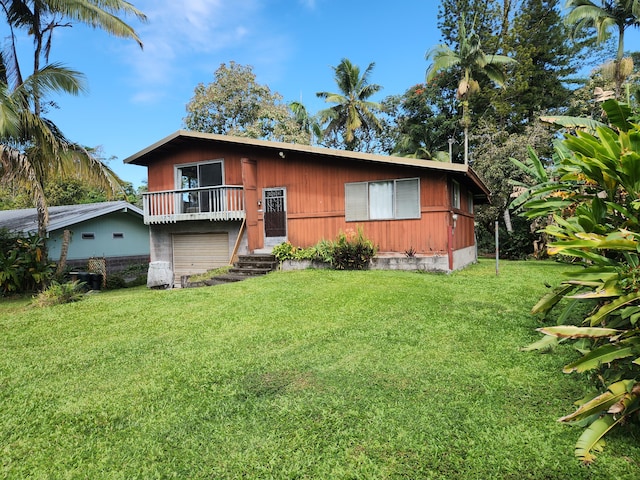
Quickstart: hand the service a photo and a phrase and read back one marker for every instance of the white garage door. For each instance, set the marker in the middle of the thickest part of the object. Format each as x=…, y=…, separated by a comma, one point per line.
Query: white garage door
x=197, y=253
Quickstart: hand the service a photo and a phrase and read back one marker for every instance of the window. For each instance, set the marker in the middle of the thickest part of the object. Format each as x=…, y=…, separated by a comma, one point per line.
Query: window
x=197, y=177
x=200, y=175
x=88, y=236
x=384, y=200
x=118, y=235
x=455, y=194
x=470, y=201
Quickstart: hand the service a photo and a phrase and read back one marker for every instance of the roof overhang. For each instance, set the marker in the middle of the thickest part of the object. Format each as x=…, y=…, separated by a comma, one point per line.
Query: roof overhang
x=181, y=137
x=60, y=217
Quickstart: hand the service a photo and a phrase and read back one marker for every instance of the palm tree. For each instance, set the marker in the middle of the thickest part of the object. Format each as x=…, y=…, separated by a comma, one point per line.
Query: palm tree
x=307, y=123
x=617, y=14
x=33, y=149
x=469, y=58
x=41, y=17
x=351, y=111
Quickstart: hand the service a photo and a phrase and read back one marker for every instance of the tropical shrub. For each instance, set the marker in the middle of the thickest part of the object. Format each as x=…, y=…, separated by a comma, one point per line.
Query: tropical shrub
x=59, y=293
x=23, y=266
x=286, y=251
x=324, y=251
x=350, y=251
x=594, y=203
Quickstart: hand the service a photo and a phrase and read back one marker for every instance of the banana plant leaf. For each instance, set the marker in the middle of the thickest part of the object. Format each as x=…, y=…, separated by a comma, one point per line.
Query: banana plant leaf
x=609, y=288
x=607, y=309
x=601, y=274
x=583, y=255
x=548, y=301
x=586, y=283
x=546, y=343
x=573, y=122
x=545, y=206
x=617, y=114
x=604, y=354
x=591, y=439
x=592, y=240
x=573, y=331
x=604, y=292
x=601, y=403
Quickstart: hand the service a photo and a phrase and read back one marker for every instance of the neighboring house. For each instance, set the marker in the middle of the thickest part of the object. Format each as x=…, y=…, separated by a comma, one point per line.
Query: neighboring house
x=213, y=196
x=114, y=231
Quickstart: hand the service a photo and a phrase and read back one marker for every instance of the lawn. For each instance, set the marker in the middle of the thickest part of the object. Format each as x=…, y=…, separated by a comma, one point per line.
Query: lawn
x=308, y=374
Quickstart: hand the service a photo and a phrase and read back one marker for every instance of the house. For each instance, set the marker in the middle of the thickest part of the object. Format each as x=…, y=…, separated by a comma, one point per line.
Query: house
x=214, y=196
x=114, y=231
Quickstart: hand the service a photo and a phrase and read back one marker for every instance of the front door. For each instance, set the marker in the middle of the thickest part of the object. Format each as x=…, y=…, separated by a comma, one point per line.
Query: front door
x=275, y=216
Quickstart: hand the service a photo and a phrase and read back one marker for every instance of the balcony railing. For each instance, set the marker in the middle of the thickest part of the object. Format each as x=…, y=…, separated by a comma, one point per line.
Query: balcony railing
x=225, y=202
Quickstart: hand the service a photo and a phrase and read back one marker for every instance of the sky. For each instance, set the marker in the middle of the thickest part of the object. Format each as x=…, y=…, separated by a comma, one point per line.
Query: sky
x=136, y=97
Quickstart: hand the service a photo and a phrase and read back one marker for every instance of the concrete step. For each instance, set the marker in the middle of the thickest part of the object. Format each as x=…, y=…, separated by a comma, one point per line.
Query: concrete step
x=257, y=258
x=228, y=278
x=249, y=270
x=249, y=266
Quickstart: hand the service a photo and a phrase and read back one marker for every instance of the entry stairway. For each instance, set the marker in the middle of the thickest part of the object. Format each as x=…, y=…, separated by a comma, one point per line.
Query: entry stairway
x=249, y=266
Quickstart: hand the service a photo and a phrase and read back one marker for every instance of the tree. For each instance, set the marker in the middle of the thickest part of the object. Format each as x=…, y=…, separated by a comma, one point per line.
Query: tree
x=308, y=123
x=468, y=59
x=353, y=115
x=32, y=147
x=547, y=61
x=586, y=101
x=41, y=17
x=608, y=14
x=234, y=104
x=420, y=123
x=494, y=149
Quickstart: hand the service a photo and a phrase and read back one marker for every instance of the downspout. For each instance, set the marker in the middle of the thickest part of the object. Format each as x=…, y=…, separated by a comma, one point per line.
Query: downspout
x=453, y=220
x=450, y=246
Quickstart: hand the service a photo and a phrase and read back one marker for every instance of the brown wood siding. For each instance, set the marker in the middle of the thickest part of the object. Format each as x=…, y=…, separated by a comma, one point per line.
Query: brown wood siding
x=315, y=204
x=161, y=174
x=426, y=235
x=315, y=190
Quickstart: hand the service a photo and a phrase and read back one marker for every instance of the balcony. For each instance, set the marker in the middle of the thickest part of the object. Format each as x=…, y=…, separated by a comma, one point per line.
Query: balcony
x=221, y=203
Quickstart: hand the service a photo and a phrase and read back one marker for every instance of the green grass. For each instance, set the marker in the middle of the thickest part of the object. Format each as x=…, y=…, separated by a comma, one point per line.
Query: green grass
x=308, y=374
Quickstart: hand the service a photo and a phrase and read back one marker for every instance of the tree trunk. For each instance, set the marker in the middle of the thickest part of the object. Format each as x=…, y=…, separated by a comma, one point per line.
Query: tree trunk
x=507, y=220
x=64, y=250
x=466, y=145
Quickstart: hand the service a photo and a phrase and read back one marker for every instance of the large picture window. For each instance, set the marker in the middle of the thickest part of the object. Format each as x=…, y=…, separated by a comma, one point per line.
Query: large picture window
x=382, y=200
x=193, y=179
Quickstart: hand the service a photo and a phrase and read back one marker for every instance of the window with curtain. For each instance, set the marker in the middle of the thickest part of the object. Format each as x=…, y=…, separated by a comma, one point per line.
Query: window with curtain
x=382, y=200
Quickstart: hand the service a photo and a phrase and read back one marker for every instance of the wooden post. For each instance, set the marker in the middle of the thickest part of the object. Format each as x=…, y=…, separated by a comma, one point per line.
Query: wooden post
x=234, y=254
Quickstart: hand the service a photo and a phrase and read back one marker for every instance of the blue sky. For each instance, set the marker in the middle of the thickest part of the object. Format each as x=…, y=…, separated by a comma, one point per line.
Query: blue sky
x=137, y=97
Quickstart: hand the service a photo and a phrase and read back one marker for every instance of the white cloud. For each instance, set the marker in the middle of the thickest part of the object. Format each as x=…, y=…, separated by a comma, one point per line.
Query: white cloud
x=180, y=35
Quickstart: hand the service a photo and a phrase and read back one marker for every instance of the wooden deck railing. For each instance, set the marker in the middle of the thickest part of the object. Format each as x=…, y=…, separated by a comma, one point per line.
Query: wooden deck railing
x=225, y=202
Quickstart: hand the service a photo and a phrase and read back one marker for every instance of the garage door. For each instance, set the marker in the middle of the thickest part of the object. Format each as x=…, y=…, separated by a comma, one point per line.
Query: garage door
x=197, y=253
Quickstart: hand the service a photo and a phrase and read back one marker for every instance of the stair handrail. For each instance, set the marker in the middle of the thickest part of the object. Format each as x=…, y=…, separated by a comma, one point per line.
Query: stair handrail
x=234, y=254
